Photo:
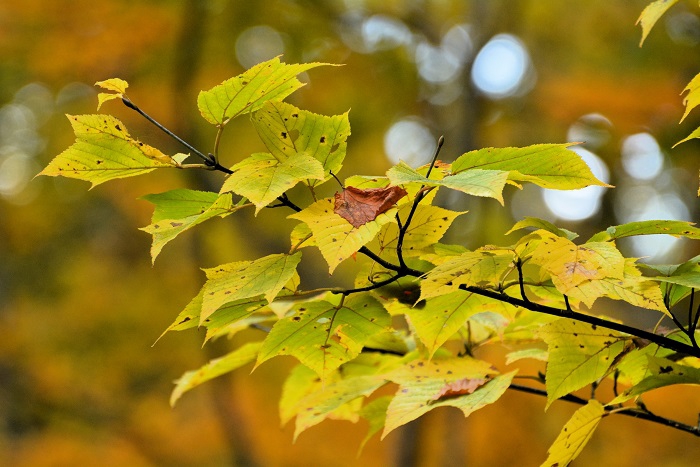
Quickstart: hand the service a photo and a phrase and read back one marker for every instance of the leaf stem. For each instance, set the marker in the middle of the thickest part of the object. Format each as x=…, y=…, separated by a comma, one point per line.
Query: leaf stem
x=209, y=161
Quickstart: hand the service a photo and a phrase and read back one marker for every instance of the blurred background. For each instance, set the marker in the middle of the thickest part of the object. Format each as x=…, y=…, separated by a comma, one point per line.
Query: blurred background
x=81, y=305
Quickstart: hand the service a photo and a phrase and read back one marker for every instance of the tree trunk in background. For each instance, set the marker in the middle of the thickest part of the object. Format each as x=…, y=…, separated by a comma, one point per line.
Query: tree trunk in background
x=195, y=19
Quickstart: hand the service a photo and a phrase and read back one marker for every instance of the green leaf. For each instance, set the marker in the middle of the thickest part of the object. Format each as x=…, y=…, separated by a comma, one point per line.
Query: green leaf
x=427, y=227
x=261, y=178
x=116, y=85
x=544, y=225
x=287, y=130
x=247, y=92
x=579, y=354
x=476, y=182
x=336, y=237
x=547, y=165
x=103, y=150
x=575, y=435
x=692, y=99
x=441, y=317
x=179, y=203
x=652, y=227
x=235, y=316
x=185, y=208
x=473, y=268
x=265, y=276
x=423, y=385
x=660, y=372
x=677, y=280
x=323, y=336
x=214, y=368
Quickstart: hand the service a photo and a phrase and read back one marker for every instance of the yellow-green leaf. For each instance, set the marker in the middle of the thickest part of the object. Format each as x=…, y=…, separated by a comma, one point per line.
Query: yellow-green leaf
x=261, y=178
x=473, y=268
x=575, y=435
x=651, y=227
x=187, y=208
x=651, y=14
x=427, y=227
x=116, y=85
x=336, y=237
x=287, y=130
x=214, y=368
x=547, y=165
x=692, y=99
x=677, y=280
x=320, y=404
x=236, y=316
x=301, y=236
x=422, y=382
x=103, y=150
x=323, y=335
x=265, y=276
x=579, y=354
x=544, y=225
x=475, y=182
x=660, y=372
x=300, y=382
x=694, y=135
x=570, y=265
x=188, y=318
x=632, y=288
x=439, y=318
x=375, y=414
x=247, y=92
x=535, y=353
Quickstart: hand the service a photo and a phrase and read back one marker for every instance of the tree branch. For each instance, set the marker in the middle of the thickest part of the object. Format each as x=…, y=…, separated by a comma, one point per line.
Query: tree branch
x=662, y=341
x=630, y=412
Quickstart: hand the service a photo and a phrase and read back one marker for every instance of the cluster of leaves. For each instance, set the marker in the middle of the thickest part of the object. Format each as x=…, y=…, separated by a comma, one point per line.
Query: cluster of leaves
x=650, y=15
x=420, y=311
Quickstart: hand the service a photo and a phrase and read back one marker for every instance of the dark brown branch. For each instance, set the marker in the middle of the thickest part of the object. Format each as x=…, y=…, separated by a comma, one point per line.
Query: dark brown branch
x=630, y=412
x=419, y=197
x=663, y=341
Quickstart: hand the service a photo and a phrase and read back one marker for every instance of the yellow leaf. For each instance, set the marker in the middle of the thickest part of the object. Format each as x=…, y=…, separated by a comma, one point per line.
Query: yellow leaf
x=336, y=237
x=103, y=151
x=579, y=354
x=570, y=265
x=575, y=435
x=651, y=14
x=116, y=85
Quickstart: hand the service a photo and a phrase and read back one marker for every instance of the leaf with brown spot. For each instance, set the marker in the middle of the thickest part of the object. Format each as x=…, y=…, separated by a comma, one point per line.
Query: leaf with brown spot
x=360, y=206
x=459, y=388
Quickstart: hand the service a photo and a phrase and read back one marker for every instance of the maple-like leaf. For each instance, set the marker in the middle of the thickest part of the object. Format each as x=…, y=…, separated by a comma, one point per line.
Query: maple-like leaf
x=360, y=206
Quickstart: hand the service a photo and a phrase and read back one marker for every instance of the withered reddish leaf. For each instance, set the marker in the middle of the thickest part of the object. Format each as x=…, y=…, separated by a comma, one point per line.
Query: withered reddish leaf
x=359, y=206
x=459, y=388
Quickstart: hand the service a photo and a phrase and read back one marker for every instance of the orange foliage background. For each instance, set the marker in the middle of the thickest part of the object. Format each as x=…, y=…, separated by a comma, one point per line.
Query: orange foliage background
x=80, y=303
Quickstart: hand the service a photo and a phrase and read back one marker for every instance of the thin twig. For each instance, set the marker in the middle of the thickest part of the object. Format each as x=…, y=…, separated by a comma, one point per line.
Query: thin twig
x=419, y=197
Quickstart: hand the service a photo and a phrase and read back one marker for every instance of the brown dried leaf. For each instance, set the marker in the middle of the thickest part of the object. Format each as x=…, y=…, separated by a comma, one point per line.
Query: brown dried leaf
x=459, y=388
x=359, y=206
